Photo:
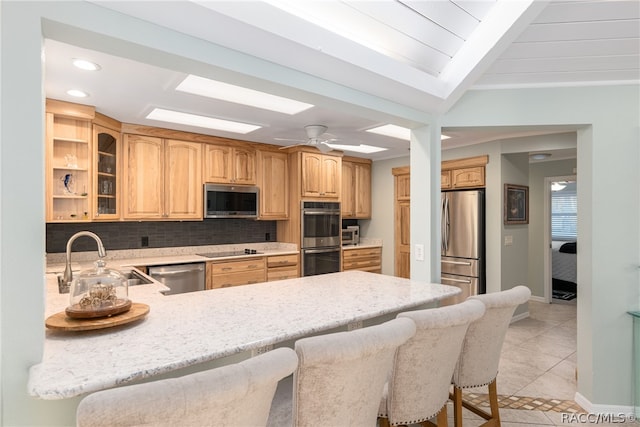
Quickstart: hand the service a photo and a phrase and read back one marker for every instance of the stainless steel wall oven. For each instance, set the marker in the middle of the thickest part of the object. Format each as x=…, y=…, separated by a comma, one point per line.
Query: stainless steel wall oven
x=321, y=230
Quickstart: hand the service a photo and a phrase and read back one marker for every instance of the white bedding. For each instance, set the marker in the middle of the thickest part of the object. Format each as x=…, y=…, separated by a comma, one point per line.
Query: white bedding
x=563, y=265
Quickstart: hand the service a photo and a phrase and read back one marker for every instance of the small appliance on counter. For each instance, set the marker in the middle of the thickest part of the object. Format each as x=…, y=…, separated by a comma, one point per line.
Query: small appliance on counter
x=351, y=235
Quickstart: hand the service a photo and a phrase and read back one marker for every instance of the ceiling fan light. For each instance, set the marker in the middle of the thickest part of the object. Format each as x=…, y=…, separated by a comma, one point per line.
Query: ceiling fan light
x=557, y=186
x=314, y=131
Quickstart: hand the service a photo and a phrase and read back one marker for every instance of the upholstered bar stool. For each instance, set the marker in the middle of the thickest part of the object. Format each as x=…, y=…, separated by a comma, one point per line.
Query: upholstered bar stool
x=340, y=377
x=233, y=395
x=480, y=355
x=418, y=388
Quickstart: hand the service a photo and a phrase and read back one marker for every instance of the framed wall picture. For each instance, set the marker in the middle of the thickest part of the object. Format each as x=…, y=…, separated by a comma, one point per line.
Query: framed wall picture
x=516, y=204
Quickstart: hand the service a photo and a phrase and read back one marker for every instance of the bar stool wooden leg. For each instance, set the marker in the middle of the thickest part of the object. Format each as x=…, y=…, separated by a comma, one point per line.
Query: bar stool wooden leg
x=493, y=403
x=457, y=406
x=442, y=420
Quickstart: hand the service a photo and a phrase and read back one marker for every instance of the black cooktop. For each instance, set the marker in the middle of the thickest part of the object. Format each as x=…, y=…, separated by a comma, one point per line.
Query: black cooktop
x=230, y=253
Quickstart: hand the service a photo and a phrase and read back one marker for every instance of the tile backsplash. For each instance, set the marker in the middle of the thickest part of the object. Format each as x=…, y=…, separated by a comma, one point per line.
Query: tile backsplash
x=130, y=235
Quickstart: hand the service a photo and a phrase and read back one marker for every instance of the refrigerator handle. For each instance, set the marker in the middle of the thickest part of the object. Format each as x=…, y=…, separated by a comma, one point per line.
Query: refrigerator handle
x=455, y=280
x=444, y=261
x=445, y=224
x=442, y=222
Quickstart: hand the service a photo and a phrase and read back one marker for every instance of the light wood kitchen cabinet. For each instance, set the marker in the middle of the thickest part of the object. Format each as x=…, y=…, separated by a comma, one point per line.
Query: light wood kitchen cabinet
x=463, y=173
x=273, y=180
x=403, y=239
x=68, y=162
x=107, y=153
x=402, y=185
x=445, y=180
x=321, y=175
x=245, y=271
x=280, y=267
x=229, y=165
x=162, y=178
x=402, y=222
x=467, y=177
x=365, y=259
x=356, y=189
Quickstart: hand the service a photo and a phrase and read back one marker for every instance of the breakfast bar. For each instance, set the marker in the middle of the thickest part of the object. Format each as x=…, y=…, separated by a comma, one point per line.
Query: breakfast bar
x=193, y=328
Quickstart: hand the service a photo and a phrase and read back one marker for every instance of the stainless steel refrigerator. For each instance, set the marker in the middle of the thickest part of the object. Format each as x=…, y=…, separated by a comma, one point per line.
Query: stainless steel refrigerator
x=463, y=242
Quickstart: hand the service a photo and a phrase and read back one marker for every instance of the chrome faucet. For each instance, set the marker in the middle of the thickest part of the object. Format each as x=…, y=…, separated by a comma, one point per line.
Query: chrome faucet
x=68, y=275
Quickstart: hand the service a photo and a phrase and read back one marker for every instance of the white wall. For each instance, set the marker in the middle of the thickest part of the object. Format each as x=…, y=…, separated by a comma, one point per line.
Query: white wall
x=607, y=119
x=514, y=256
x=381, y=224
x=537, y=251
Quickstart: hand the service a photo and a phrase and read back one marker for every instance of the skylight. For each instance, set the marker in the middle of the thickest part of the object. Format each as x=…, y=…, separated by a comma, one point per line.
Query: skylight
x=362, y=148
x=392, y=131
x=240, y=95
x=200, y=121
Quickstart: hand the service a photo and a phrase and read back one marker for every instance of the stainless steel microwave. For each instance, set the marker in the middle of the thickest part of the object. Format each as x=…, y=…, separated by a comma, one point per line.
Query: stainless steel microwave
x=351, y=235
x=230, y=201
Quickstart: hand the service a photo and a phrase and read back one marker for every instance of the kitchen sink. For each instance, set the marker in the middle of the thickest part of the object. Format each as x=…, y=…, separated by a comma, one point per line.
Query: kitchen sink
x=135, y=278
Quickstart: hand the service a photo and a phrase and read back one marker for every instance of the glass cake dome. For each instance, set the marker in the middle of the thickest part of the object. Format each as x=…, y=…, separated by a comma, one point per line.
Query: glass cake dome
x=98, y=292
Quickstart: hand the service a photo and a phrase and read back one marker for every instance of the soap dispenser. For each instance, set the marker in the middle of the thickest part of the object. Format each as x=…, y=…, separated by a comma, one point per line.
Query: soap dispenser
x=98, y=292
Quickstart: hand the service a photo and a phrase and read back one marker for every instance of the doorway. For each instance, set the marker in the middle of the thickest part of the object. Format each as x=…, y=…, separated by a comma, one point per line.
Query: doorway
x=561, y=217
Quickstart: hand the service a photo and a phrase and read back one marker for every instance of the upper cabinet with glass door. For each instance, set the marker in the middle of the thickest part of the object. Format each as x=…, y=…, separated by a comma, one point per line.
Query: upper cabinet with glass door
x=68, y=161
x=107, y=161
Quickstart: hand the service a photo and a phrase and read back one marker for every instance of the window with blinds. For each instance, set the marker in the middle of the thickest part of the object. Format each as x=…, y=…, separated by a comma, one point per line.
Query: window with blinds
x=564, y=215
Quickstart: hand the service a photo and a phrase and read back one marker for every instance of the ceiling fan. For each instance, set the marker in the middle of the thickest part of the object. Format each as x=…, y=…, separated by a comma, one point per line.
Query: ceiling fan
x=316, y=137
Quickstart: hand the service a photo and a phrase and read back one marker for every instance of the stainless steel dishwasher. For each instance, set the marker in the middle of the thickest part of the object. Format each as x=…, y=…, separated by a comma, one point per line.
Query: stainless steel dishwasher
x=180, y=278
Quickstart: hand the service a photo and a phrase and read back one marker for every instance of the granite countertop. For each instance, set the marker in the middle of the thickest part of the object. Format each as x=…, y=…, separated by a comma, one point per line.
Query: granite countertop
x=187, y=329
x=364, y=243
x=125, y=259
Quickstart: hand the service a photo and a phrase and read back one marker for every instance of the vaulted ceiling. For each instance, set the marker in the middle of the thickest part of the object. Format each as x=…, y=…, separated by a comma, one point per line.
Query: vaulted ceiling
x=422, y=55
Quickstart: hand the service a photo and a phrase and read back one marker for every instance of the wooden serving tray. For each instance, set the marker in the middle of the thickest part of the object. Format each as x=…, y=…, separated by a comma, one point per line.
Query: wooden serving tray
x=62, y=322
x=76, y=312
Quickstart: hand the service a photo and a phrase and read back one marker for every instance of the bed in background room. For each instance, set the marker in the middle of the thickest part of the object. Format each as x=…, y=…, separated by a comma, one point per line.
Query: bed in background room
x=564, y=269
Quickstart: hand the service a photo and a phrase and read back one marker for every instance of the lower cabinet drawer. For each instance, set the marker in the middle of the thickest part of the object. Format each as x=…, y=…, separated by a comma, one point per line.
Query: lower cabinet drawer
x=348, y=254
x=365, y=259
x=361, y=264
x=281, y=273
x=282, y=260
x=236, y=279
x=228, y=267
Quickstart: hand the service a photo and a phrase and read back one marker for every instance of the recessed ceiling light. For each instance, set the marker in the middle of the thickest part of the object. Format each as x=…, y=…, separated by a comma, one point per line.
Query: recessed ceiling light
x=240, y=95
x=83, y=64
x=539, y=156
x=392, y=131
x=362, y=148
x=200, y=121
x=77, y=93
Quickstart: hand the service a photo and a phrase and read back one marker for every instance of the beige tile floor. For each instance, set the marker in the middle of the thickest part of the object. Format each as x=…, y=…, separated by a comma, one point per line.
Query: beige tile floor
x=539, y=360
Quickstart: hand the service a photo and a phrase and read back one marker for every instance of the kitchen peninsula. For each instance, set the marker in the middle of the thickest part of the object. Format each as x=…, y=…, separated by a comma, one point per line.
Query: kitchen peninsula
x=198, y=327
